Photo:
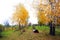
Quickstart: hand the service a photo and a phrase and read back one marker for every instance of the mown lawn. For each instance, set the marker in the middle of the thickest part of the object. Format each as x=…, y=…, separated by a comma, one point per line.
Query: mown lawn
x=30, y=35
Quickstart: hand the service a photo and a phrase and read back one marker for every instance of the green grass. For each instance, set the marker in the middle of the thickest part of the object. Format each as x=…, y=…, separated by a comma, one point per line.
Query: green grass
x=41, y=28
x=57, y=31
x=46, y=29
x=7, y=33
x=30, y=35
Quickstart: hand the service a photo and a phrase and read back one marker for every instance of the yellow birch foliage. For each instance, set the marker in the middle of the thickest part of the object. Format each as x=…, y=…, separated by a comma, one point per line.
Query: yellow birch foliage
x=44, y=13
x=20, y=15
x=58, y=12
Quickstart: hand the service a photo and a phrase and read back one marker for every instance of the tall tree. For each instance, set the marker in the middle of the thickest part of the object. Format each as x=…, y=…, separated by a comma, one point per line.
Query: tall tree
x=49, y=13
x=54, y=17
x=21, y=15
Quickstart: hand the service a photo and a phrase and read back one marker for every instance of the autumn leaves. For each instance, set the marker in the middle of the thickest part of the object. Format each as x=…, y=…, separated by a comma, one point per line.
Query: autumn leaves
x=20, y=15
x=44, y=14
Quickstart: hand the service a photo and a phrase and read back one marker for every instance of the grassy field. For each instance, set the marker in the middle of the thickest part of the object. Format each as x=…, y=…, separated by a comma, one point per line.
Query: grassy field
x=7, y=33
x=30, y=35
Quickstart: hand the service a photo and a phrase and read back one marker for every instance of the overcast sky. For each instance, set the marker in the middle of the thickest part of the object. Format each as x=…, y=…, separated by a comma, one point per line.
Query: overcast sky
x=7, y=8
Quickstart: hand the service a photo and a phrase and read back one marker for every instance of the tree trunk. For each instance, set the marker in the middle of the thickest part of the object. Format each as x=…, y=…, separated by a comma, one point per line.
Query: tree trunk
x=0, y=33
x=19, y=26
x=52, y=29
x=53, y=33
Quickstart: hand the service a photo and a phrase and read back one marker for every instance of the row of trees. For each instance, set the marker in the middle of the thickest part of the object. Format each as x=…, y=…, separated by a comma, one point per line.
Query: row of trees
x=47, y=14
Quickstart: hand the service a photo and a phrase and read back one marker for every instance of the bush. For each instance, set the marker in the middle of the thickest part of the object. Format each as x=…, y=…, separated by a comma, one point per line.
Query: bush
x=1, y=28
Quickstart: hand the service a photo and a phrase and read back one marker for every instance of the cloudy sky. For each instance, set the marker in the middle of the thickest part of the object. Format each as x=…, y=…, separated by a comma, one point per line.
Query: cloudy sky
x=7, y=8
